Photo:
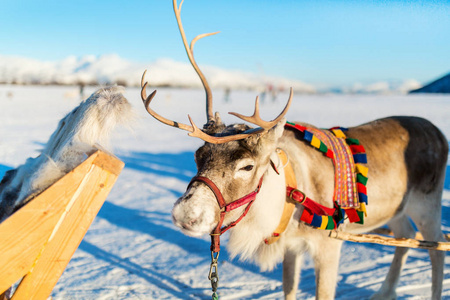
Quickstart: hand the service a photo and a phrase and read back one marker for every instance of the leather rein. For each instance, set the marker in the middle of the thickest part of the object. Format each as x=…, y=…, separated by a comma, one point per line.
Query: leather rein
x=224, y=208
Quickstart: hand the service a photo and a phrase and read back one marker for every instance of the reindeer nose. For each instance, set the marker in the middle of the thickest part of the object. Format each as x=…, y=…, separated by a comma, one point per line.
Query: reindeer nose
x=189, y=225
x=185, y=224
x=183, y=221
x=175, y=221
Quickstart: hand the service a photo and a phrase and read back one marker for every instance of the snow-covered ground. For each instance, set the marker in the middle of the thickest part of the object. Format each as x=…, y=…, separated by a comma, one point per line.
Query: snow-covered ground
x=133, y=251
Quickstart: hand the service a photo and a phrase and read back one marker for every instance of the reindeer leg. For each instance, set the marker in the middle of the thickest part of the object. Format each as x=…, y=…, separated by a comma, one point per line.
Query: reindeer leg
x=402, y=228
x=426, y=214
x=291, y=273
x=326, y=261
x=437, y=270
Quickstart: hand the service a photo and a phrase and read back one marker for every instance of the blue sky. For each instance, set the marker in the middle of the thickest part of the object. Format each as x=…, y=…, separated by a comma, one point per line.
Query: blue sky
x=319, y=42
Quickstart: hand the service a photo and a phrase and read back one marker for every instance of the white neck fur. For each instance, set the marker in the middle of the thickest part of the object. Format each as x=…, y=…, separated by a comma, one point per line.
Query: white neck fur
x=247, y=238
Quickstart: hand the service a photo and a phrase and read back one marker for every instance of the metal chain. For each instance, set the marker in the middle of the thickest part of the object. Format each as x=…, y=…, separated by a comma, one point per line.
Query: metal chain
x=214, y=275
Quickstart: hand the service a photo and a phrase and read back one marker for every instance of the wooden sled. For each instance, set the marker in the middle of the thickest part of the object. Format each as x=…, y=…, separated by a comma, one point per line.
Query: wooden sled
x=38, y=241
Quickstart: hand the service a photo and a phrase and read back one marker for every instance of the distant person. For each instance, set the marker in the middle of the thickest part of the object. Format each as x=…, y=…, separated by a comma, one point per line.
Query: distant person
x=226, y=96
x=82, y=91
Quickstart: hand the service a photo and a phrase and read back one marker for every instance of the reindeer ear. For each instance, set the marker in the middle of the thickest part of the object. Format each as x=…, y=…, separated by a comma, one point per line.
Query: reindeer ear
x=277, y=130
x=268, y=138
x=274, y=133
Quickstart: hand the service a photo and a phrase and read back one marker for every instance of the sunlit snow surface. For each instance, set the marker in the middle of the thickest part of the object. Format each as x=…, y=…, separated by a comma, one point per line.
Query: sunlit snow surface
x=133, y=251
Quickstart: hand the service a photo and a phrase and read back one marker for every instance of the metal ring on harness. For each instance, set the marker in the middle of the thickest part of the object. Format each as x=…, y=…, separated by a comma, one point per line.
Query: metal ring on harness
x=296, y=190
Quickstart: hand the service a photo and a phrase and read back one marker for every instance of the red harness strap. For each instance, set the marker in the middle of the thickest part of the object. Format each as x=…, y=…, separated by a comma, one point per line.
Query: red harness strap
x=315, y=207
x=224, y=208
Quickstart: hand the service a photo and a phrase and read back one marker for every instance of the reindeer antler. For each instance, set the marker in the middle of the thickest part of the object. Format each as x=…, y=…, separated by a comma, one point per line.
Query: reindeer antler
x=190, y=53
x=193, y=129
x=256, y=119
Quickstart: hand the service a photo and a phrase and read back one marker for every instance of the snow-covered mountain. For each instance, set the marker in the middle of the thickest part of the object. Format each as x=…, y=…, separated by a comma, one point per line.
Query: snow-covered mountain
x=441, y=85
x=111, y=68
x=380, y=87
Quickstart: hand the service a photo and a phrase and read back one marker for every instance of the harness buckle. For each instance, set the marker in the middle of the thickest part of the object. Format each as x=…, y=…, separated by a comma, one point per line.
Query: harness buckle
x=297, y=190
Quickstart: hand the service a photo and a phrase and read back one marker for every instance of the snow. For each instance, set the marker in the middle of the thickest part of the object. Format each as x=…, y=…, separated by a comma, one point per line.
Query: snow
x=133, y=251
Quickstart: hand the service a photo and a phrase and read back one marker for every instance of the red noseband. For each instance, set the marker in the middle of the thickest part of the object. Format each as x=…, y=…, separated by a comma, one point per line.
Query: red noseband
x=224, y=208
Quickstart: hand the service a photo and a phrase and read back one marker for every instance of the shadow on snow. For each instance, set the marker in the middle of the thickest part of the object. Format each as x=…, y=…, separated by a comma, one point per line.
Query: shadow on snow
x=447, y=179
x=3, y=169
x=159, y=279
x=180, y=165
x=135, y=220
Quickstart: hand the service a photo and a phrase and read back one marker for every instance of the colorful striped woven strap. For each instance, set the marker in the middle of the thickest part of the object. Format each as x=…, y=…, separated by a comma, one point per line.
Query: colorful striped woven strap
x=348, y=155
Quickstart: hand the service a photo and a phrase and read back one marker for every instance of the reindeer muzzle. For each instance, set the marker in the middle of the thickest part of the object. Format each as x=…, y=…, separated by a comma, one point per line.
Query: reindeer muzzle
x=224, y=208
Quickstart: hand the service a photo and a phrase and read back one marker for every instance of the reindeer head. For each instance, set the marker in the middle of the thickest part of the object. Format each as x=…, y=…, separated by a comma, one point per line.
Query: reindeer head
x=235, y=168
x=230, y=164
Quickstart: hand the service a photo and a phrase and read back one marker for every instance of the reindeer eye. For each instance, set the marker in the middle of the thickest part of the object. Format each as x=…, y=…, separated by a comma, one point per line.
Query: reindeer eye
x=247, y=168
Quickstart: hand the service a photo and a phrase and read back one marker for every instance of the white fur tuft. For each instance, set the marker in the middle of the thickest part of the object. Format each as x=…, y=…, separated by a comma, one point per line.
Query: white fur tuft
x=77, y=134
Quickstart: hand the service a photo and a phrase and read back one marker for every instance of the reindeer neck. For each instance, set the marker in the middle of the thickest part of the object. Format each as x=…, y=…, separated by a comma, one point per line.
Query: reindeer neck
x=314, y=172
x=264, y=215
x=270, y=200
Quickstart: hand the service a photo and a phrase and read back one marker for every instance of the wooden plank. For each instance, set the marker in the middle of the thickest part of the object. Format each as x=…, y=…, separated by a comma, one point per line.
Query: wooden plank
x=71, y=228
x=387, y=231
x=24, y=233
x=108, y=162
x=377, y=239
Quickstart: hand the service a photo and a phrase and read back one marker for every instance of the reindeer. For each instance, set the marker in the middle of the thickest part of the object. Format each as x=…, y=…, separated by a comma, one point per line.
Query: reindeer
x=406, y=160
